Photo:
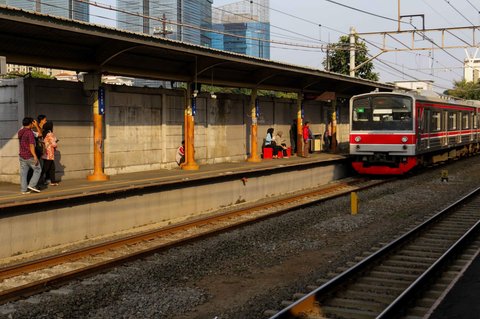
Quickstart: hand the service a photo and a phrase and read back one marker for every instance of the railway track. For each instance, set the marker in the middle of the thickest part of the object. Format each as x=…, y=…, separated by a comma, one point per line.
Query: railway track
x=20, y=280
x=405, y=278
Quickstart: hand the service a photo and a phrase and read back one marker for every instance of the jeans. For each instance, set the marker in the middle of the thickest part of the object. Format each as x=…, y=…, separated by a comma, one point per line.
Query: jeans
x=25, y=166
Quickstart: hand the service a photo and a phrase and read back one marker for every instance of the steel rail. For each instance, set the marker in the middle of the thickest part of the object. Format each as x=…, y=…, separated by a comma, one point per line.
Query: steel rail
x=283, y=205
x=399, y=305
x=310, y=302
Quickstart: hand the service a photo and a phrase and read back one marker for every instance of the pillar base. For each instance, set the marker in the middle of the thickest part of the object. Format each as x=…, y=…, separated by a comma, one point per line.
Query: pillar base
x=98, y=177
x=191, y=167
x=254, y=159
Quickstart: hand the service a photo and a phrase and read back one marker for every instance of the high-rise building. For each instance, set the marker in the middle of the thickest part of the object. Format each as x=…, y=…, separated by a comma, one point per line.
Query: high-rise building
x=71, y=9
x=184, y=20
x=243, y=27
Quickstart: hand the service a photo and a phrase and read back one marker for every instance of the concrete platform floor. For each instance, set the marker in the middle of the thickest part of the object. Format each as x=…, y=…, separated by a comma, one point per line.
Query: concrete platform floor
x=10, y=195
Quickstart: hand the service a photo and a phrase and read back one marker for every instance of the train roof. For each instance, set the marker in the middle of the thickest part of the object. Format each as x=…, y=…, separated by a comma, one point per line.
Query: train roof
x=430, y=96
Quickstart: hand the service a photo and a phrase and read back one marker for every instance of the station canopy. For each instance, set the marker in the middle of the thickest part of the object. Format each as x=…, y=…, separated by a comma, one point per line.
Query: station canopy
x=41, y=40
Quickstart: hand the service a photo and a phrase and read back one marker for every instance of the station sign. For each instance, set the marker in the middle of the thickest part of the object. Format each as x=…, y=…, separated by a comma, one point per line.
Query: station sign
x=101, y=100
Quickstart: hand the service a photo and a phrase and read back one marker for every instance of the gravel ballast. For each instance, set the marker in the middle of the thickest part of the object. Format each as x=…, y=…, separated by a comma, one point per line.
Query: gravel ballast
x=242, y=273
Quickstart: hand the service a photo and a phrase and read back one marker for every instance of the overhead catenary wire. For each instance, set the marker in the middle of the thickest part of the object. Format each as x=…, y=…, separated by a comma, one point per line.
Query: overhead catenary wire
x=96, y=4
x=458, y=11
x=443, y=17
x=275, y=43
x=315, y=23
x=376, y=15
x=271, y=25
x=473, y=6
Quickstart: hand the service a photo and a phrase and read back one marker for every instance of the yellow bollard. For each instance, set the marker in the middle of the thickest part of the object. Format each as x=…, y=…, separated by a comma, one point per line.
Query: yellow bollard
x=354, y=202
x=444, y=175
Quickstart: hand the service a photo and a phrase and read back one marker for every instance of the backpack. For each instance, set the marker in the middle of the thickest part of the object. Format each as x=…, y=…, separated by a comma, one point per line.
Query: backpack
x=39, y=146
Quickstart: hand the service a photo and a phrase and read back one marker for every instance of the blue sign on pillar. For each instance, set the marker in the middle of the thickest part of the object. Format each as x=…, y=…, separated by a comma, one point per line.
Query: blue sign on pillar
x=101, y=100
x=194, y=106
x=257, y=108
x=302, y=109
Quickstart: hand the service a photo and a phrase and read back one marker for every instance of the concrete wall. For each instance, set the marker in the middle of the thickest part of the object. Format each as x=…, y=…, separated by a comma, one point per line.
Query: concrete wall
x=143, y=126
x=11, y=115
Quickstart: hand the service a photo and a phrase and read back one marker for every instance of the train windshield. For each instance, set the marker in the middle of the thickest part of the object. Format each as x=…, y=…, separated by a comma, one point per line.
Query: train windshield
x=382, y=112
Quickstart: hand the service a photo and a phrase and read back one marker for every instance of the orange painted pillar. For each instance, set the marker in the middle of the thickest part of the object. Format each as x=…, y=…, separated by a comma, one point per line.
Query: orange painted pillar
x=190, y=163
x=299, y=126
x=98, y=174
x=254, y=129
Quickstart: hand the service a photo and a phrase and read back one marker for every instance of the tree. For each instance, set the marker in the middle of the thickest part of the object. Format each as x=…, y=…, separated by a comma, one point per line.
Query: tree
x=465, y=90
x=339, y=60
x=33, y=74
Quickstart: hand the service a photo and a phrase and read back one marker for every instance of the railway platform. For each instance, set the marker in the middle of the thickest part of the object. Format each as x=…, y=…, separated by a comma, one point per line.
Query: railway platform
x=79, y=210
x=10, y=195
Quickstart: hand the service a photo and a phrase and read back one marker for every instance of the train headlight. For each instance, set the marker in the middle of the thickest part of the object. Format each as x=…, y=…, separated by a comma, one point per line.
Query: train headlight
x=358, y=139
x=404, y=139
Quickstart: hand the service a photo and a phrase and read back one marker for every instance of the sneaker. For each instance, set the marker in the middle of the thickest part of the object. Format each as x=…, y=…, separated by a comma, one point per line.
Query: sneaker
x=25, y=193
x=33, y=189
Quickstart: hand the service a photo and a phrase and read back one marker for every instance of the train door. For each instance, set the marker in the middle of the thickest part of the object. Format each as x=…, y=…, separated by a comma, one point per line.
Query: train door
x=444, y=139
x=459, y=127
x=467, y=125
x=427, y=127
x=475, y=125
x=420, y=129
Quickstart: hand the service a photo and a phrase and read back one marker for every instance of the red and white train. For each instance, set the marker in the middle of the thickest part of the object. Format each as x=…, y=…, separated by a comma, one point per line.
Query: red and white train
x=393, y=132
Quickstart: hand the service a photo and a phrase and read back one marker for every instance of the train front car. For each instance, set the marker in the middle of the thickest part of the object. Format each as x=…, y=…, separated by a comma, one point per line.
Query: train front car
x=382, y=133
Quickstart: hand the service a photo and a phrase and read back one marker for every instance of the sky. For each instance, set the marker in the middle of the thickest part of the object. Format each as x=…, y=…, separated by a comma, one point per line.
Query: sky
x=316, y=23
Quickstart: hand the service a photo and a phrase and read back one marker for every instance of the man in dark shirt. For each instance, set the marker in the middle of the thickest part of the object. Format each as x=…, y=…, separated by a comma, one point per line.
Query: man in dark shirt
x=28, y=158
x=293, y=136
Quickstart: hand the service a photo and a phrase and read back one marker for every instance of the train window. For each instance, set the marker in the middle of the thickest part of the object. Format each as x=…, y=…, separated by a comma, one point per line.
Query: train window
x=436, y=121
x=361, y=110
x=465, y=120
x=452, y=121
x=382, y=112
x=474, y=120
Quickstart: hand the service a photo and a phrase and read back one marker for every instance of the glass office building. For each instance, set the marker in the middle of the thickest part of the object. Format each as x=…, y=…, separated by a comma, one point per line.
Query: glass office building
x=71, y=9
x=242, y=27
x=185, y=20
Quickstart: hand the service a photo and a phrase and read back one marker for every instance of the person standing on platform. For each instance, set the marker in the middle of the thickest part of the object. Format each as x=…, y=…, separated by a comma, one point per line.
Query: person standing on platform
x=38, y=124
x=180, y=155
x=293, y=136
x=28, y=158
x=327, y=137
x=48, y=157
x=307, y=137
x=39, y=144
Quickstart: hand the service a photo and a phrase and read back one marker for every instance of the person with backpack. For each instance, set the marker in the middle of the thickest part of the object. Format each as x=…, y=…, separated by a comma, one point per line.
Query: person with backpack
x=39, y=144
x=38, y=132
